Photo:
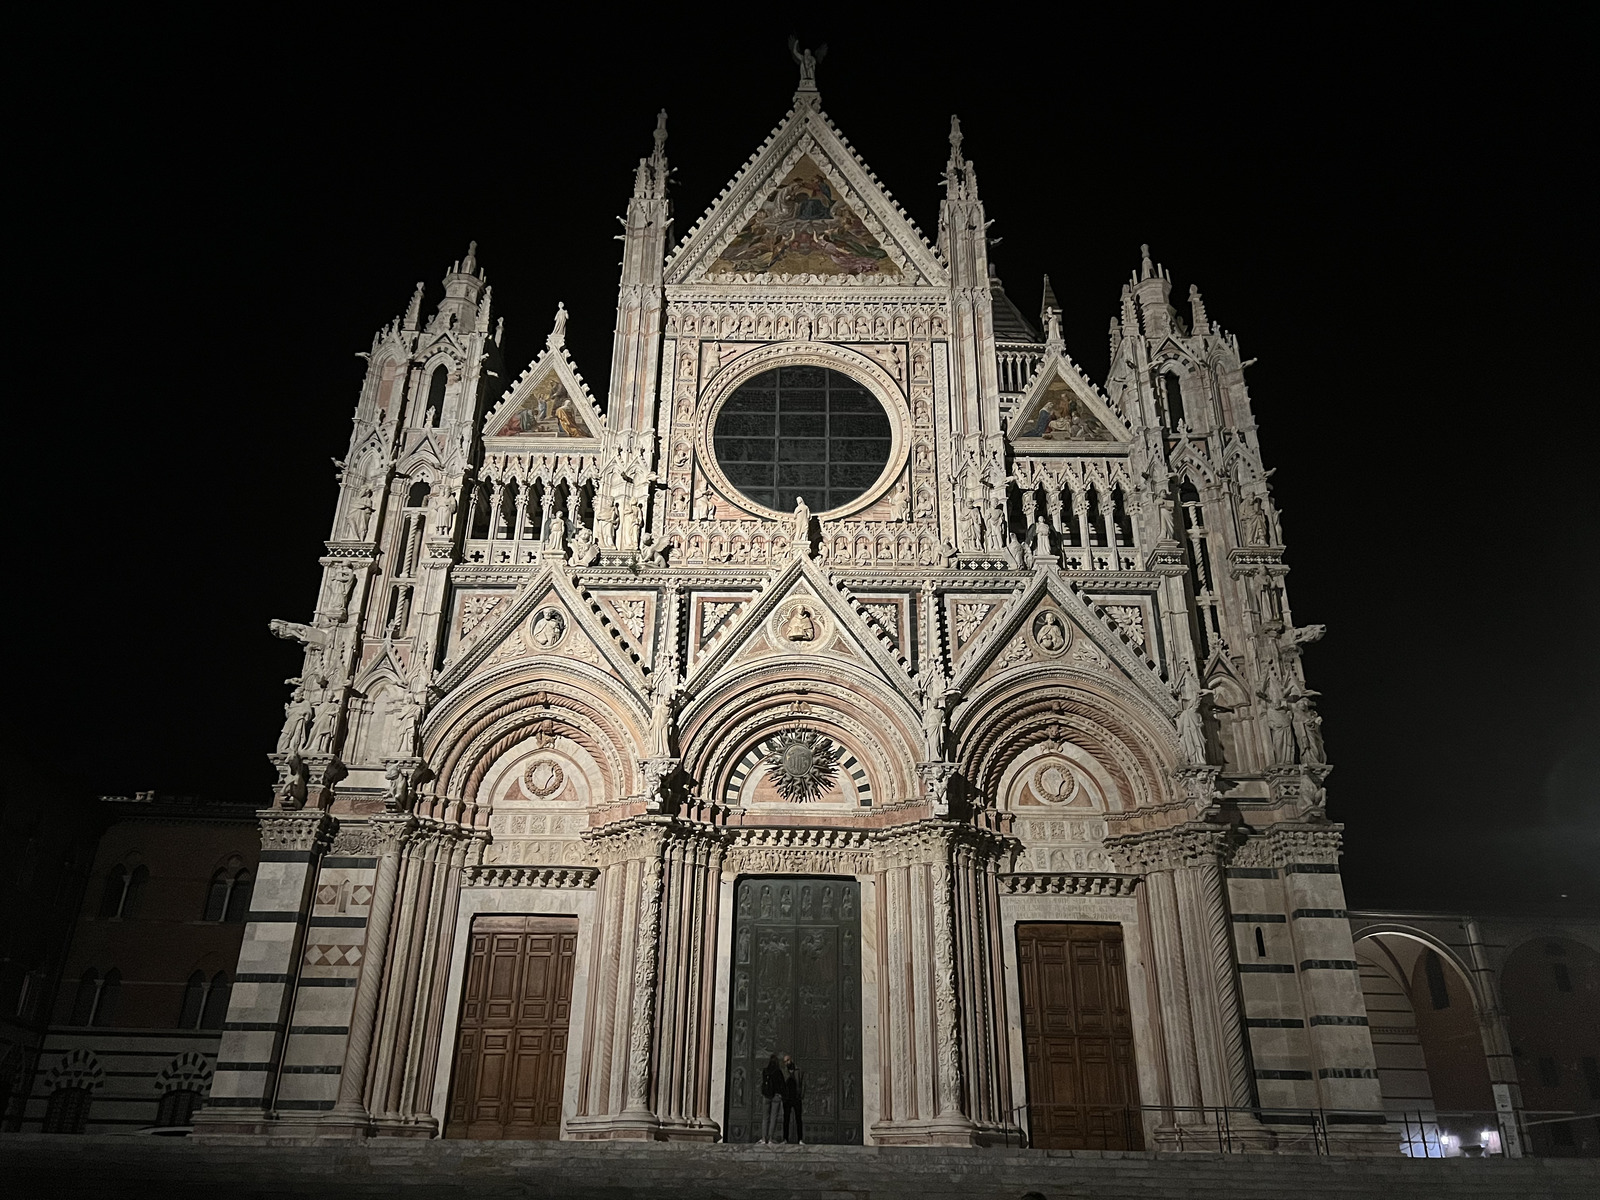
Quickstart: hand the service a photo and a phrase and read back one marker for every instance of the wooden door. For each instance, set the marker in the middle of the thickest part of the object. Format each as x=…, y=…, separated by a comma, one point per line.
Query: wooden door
x=511, y=1051
x=1077, y=1037
x=796, y=984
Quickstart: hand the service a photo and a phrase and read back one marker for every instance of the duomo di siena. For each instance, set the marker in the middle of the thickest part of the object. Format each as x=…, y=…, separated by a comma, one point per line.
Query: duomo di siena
x=848, y=674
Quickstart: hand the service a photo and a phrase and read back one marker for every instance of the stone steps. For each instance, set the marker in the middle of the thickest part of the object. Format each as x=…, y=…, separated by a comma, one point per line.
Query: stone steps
x=64, y=1168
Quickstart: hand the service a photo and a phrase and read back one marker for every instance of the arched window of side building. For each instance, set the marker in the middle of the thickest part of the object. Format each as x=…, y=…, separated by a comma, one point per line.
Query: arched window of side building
x=177, y=1107
x=67, y=1110
x=216, y=1006
x=83, y=1003
x=229, y=896
x=194, y=998
x=105, y=1007
x=116, y=889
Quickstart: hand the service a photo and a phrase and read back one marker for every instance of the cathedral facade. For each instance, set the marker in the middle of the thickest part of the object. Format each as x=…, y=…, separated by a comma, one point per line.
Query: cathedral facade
x=851, y=677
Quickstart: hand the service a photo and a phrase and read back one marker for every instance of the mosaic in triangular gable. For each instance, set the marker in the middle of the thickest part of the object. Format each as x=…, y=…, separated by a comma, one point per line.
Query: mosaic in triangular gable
x=546, y=411
x=803, y=227
x=1060, y=415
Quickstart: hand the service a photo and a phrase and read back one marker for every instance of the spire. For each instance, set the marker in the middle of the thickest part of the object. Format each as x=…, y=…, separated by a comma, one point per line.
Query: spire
x=1146, y=269
x=1152, y=289
x=1197, y=309
x=413, y=317
x=807, y=94
x=658, y=157
x=1130, y=314
x=1048, y=303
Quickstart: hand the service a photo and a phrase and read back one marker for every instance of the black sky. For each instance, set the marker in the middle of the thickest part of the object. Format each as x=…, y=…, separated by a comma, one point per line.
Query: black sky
x=1397, y=221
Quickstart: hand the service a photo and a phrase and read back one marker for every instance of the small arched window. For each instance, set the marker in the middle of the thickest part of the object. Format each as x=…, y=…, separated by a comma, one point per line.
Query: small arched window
x=1172, y=396
x=194, y=998
x=130, y=899
x=105, y=1008
x=115, y=890
x=67, y=1110
x=177, y=1108
x=216, y=1008
x=436, y=395
x=1261, y=944
x=239, y=897
x=417, y=497
x=228, y=898
x=83, y=1002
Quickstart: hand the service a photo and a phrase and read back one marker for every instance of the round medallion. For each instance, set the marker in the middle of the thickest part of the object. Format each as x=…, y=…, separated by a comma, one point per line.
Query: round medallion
x=547, y=627
x=543, y=778
x=801, y=624
x=1050, y=632
x=803, y=764
x=1054, y=782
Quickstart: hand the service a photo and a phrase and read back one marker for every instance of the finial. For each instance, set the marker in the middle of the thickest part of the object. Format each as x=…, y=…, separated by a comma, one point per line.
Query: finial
x=558, y=334
x=807, y=62
x=661, y=135
x=413, y=315
x=955, y=136
x=1146, y=267
x=1048, y=300
x=1197, y=309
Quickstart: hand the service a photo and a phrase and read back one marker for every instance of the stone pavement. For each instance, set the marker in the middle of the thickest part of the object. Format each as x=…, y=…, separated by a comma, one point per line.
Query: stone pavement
x=64, y=1168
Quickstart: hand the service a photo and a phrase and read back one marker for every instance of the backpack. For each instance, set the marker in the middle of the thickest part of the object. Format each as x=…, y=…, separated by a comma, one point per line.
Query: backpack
x=769, y=1086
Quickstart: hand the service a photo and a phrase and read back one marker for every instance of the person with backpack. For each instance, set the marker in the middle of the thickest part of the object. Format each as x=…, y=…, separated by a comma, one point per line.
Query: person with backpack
x=794, y=1094
x=772, y=1091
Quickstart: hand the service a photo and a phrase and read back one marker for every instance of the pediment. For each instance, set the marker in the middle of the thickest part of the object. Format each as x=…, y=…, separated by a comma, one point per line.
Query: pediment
x=800, y=618
x=549, y=405
x=1061, y=412
x=547, y=619
x=1049, y=623
x=805, y=210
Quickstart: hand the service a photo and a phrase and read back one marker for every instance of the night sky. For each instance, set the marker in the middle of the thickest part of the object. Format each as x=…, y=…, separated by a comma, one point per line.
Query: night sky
x=218, y=218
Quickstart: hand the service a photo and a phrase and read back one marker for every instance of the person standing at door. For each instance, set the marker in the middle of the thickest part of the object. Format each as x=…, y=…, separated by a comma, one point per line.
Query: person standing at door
x=772, y=1091
x=794, y=1094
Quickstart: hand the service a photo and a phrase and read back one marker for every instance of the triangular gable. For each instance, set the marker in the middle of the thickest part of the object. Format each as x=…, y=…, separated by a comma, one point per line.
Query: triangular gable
x=805, y=209
x=1057, y=413
x=1061, y=411
x=1072, y=634
x=550, y=403
x=515, y=636
x=804, y=227
x=800, y=606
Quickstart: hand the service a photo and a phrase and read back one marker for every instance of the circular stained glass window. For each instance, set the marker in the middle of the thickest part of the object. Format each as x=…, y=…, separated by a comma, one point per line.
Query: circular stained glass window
x=802, y=431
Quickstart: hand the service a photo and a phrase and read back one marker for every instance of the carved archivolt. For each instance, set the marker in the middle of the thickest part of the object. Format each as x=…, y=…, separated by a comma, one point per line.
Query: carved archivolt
x=738, y=712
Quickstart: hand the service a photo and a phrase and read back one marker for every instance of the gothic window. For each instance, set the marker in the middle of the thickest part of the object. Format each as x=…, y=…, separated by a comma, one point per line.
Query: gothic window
x=194, y=998
x=1097, y=536
x=479, y=518
x=229, y=896
x=105, y=1005
x=67, y=1110
x=115, y=890
x=1172, y=398
x=177, y=1107
x=83, y=1002
x=1121, y=521
x=418, y=496
x=130, y=899
x=1438, y=989
x=508, y=510
x=802, y=431
x=216, y=1005
x=436, y=396
x=1194, y=530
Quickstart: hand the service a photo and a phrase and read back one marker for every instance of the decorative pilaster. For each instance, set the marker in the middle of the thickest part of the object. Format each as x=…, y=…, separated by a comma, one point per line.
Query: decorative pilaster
x=350, y=1114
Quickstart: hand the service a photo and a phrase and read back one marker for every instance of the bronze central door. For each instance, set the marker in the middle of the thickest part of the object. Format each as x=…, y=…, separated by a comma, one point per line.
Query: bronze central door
x=511, y=1051
x=1077, y=1037
x=796, y=984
